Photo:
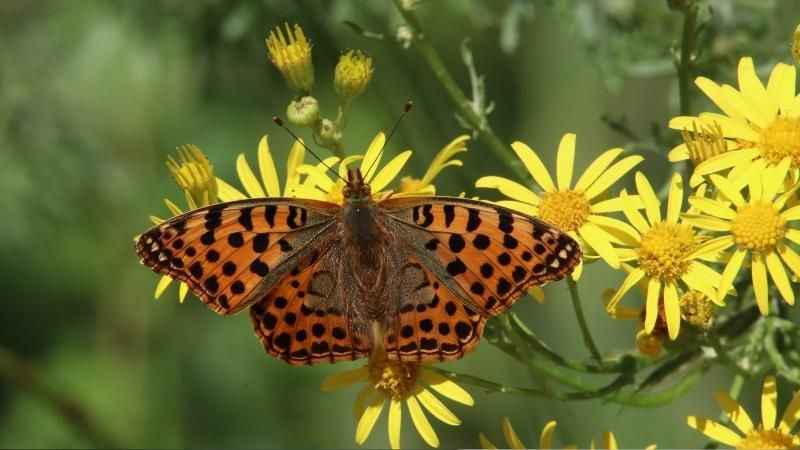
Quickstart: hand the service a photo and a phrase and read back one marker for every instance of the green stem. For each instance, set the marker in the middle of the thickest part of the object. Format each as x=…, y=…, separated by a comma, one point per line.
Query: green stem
x=457, y=96
x=688, y=40
x=69, y=409
x=587, y=335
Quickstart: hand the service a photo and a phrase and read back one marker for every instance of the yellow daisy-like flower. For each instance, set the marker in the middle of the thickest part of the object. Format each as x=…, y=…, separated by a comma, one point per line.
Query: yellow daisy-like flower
x=320, y=186
x=574, y=208
x=443, y=159
x=763, y=436
x=291, y=54
x=194, y=174
x=609, y=441
x=759, y=123
x=757, y=227
x=396, y=383
x=668, y=256
x=269, y=185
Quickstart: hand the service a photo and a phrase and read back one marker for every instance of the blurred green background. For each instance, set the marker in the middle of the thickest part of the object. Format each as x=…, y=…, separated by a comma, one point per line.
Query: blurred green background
x=94, y=95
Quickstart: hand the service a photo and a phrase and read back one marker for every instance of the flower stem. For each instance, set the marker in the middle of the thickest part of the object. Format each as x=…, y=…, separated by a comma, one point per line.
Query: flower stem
x=587, y=335
x=457, y=96
x=684, y=66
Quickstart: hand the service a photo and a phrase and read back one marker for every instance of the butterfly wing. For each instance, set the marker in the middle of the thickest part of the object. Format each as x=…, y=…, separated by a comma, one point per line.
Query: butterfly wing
x=483, y=257
x=305, y=320
x=231, y=254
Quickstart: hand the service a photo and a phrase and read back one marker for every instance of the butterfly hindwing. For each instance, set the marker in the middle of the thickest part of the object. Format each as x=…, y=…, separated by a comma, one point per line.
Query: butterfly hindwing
x=304, y=320
x=230, y=254
x=491, y=253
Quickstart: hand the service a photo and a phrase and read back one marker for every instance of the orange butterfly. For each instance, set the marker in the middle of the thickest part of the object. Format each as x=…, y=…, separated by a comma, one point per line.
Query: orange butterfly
x=416, y=276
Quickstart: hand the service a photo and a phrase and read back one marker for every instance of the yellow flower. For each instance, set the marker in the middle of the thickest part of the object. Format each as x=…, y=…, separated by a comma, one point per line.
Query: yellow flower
x=352, y=74
x=424, y=185
x=574, y=208
x=291, y=54
x=269, y=185
x=649, y=344
x=193, y=172
x=320, y=186
x=667, y=252
x=759, y=123
x=763, y=436
x=609, y=441
x=396, y=383
x=758, y=227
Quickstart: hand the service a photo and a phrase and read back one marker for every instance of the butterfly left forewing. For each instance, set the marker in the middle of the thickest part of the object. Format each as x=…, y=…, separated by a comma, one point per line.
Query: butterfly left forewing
x=231, y=253
x=491, y=254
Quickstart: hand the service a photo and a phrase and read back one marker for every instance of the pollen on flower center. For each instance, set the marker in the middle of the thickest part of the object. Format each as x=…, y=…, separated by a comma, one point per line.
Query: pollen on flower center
x=780, y=139
x=664, y=248
x=758, y=226
x=567, y=210
x=393, y=378
x=765, y=439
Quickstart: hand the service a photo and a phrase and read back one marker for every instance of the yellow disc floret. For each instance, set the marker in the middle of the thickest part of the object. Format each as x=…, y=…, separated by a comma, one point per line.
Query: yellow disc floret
x=697, y=309
x=758, y=227
x=765, y=439
x=566, y=210
x=780, y=139
x=664, y=250
x=393, y=378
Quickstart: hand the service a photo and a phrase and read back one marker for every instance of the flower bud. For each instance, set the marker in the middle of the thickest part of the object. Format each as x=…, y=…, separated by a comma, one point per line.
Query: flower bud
x=352, y=75
x=303, y=112
x=329, y=134
x=697, y=310
x=291, y=54
x=194, y=174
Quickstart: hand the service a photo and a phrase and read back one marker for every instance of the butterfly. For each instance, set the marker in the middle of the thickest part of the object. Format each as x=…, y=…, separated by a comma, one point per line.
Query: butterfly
x=414, y=276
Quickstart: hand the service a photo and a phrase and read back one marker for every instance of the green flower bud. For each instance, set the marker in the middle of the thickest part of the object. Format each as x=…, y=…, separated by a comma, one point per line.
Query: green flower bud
x=329, y=134
x=303, y=112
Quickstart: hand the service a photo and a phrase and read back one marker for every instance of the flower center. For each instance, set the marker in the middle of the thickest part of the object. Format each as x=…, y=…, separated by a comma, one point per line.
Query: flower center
x=393, y=378
x=780, y=139
x=758, y=226
x=664, y=249
x=765, y=439
x=697, y=309
x=704, y=142
x=566, y=210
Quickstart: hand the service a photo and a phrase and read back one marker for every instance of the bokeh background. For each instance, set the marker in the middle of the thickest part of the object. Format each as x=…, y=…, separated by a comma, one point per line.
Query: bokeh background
x=94, y=95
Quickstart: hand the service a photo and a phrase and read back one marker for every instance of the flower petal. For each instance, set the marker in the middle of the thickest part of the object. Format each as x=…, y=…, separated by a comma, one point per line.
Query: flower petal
x=715, y=208
x=707, y=222
x=751, y=87
x=609, y=441
x=369, y=417
x=617, y=229
x=565, y=161
x=779, y=277
x=714, y=430
x=546, y=437
x=672, y=310
x=612, y=175
x=510, y=189
x=446, y=387
x=703, y=279
x=678, y=153
x=183, y=290
x=715, y=92
x=630, y=281
x=525, y=208
x=596, y=238
x=596, y=168
x=437, y=408
x=344, y=379
x=651, y=307
x=633, y=216
x=228, y=193
x=248, y=178
x=780, y=87
x=485, y=442
x=727, y=189
x=316, y=177
x=534, y=165
x=736, y=413
x=269, y=174
x=793, y=235
x=511, y=436
x=712, y=247
x=791, y=258
x=372, y=157
x=769, y=403
x=760, y=285
x=675, y=198
x=791, y=414
x=421, y=423
x=395, y=422
x=617, y=204
x=652, y=206
x=389, y=171
x=726, y=160
x=729, y=274
x=162, y=285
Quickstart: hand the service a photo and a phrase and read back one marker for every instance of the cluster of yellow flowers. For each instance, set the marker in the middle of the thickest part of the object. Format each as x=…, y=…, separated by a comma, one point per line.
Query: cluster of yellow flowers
x=685, y=256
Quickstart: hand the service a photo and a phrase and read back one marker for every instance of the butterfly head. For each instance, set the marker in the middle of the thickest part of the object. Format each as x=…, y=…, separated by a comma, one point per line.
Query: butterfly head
x=356, y=188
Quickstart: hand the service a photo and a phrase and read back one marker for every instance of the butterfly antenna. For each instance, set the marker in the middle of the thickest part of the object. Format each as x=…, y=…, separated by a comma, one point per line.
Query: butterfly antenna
x=406, y=108
x=279, y=123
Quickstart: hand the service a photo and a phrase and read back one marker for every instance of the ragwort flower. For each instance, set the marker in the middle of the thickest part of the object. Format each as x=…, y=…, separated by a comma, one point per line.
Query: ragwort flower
x=763, y=436
x=396, y=383
x=759, y=123
x=757, y=227
x=668, y=255
x=291, y=54
x=609, y=441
